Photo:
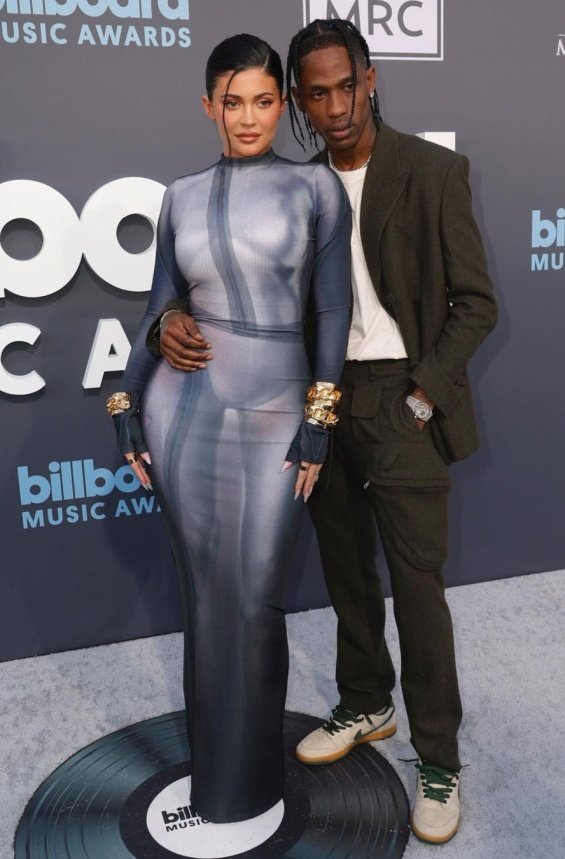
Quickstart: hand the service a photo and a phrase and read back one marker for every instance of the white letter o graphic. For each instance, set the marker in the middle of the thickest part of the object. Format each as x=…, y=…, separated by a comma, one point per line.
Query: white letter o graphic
x=60, y=256
x=100, y=218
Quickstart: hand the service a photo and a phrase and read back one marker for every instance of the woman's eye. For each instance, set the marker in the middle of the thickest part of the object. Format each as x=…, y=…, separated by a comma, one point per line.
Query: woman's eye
x=231, y=105
x=265, y=102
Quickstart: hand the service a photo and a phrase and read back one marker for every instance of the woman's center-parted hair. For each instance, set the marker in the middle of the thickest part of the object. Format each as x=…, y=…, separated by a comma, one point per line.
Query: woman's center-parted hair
x=320, y=34
x=240, y=53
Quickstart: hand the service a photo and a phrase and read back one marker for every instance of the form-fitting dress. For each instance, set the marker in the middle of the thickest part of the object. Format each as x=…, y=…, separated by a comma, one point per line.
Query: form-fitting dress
x=244, y=241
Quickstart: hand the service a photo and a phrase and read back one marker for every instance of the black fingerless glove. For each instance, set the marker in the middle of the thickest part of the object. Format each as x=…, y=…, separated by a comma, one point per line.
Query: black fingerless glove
x=128, y=429
x=310, y=444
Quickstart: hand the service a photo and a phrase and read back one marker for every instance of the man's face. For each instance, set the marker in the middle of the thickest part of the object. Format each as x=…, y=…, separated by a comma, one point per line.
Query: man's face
x=326, y=95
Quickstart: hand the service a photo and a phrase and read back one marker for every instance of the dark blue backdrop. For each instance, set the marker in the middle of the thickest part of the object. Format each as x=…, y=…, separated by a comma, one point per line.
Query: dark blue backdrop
x=85, y=563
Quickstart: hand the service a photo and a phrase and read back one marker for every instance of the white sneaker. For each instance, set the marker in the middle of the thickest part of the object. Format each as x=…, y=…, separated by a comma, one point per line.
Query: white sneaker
x=436, y=811
x=344, y=730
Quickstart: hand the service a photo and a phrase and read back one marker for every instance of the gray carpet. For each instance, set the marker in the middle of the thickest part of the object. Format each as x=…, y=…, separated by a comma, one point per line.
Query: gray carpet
x=511, y=657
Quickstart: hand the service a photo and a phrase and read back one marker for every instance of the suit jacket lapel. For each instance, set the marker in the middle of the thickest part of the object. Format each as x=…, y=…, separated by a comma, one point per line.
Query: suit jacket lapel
x=383, y=185
x=382, y=188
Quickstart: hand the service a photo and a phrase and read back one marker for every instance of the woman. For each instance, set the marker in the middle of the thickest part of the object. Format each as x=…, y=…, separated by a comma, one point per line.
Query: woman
x=245, y=240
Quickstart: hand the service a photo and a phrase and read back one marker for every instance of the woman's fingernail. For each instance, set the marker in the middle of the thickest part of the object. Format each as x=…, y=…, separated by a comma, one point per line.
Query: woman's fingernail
x=296, y=494
x=285, y=466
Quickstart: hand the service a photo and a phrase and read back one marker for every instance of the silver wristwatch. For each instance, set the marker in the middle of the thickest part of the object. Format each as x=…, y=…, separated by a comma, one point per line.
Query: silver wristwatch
x=422, y=410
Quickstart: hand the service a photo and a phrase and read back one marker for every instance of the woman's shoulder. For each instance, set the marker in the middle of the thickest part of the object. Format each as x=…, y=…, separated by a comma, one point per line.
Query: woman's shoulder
x=315, y=172
x=192, y=179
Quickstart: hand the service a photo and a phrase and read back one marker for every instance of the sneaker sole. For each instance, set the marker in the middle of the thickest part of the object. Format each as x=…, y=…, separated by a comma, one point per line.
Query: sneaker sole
x=336, y=756
x=434, y=839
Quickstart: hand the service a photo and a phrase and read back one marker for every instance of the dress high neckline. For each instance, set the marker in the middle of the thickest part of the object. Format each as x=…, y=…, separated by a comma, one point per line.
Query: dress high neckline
x=265, y=158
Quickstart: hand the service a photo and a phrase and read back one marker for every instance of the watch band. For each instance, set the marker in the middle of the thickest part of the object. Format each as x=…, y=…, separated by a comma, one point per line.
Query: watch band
x=422, y=411
x=164, y=317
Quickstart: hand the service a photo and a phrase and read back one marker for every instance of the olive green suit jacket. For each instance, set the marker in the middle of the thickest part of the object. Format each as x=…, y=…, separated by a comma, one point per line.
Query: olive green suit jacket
x=427, y=265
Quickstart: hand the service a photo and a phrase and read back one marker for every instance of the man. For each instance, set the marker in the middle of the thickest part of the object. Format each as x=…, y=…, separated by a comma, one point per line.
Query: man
x=423, y=303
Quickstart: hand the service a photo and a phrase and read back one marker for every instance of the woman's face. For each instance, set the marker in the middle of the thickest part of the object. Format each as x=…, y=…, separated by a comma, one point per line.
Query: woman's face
x=248, y=114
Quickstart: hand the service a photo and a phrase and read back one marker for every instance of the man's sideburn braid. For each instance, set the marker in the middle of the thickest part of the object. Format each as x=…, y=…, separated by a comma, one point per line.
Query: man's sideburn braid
x=321, y=34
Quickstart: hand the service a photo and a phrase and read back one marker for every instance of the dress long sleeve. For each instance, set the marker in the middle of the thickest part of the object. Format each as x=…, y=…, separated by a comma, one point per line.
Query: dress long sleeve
x=331, y=277
x=167, y=285
x=330, y=301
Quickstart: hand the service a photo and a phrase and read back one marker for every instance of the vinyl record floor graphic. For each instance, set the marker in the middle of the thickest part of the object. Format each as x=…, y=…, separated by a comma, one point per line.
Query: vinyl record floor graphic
x=128, y=795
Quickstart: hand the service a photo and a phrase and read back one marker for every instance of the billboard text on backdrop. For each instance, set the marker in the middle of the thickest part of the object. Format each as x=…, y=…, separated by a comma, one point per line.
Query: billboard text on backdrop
x=24, y=25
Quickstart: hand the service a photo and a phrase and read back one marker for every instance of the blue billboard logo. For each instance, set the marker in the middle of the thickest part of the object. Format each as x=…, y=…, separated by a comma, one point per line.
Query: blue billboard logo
x=79, y=480
x=173, y=10
x=75, y=480
x=548, y=233
x=135, y=28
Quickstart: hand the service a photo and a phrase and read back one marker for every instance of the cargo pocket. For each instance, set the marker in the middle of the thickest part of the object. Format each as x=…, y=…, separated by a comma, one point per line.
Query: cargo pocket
x=406, y=417
x=365, y=403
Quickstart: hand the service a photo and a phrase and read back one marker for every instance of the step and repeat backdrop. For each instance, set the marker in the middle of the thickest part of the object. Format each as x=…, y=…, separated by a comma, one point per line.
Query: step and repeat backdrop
x=100, y=110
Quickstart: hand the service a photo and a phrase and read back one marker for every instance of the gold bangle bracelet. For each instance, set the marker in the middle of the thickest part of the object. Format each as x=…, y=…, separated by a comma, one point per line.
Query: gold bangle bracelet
x=119, y=402
x=321, y=417
x=325, y=391
x=322, y=399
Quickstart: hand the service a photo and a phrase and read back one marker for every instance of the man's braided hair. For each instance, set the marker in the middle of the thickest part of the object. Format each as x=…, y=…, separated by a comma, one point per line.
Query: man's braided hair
x=323, y=33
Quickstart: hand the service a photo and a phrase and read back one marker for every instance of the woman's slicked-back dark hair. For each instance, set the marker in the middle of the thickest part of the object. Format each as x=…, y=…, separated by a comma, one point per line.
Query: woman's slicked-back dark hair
x=319, y=34
x=239, y=53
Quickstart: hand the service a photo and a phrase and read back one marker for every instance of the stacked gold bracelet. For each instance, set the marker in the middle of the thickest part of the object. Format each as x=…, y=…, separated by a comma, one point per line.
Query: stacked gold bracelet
x=119, y=402
x=322, y=399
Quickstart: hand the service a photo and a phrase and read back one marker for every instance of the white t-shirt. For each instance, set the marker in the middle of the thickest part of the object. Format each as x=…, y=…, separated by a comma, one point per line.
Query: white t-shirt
x=374, y=334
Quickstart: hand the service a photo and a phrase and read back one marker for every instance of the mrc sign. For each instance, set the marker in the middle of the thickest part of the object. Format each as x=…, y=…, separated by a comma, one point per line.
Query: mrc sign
x=394, y=29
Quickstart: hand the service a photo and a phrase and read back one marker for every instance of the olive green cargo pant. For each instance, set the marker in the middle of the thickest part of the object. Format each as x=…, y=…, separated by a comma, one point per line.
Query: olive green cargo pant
x=386, y=471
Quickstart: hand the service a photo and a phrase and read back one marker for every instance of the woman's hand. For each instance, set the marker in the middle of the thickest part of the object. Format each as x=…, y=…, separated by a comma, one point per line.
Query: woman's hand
x=138, y=462
x=308, y=473
x=130, y=440
x=308, y=449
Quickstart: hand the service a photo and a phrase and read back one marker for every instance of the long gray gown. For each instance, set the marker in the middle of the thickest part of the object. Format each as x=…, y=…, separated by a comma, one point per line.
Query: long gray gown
x=245, y=240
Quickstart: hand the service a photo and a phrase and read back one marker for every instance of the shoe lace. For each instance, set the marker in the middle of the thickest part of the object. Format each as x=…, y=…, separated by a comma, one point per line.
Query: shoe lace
x=437, y=782
x=341, y=719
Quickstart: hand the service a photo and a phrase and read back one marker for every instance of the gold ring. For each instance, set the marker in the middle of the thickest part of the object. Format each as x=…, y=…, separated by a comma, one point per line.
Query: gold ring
x=303, y=468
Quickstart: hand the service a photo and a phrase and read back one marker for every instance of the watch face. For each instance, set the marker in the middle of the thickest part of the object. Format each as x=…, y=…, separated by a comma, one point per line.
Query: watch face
x=422, y=411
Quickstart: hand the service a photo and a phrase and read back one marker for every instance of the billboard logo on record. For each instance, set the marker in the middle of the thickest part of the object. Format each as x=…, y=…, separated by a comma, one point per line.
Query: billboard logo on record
x=174, y=824
x=548, y=241
x=394, y=29
x=185, y=815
